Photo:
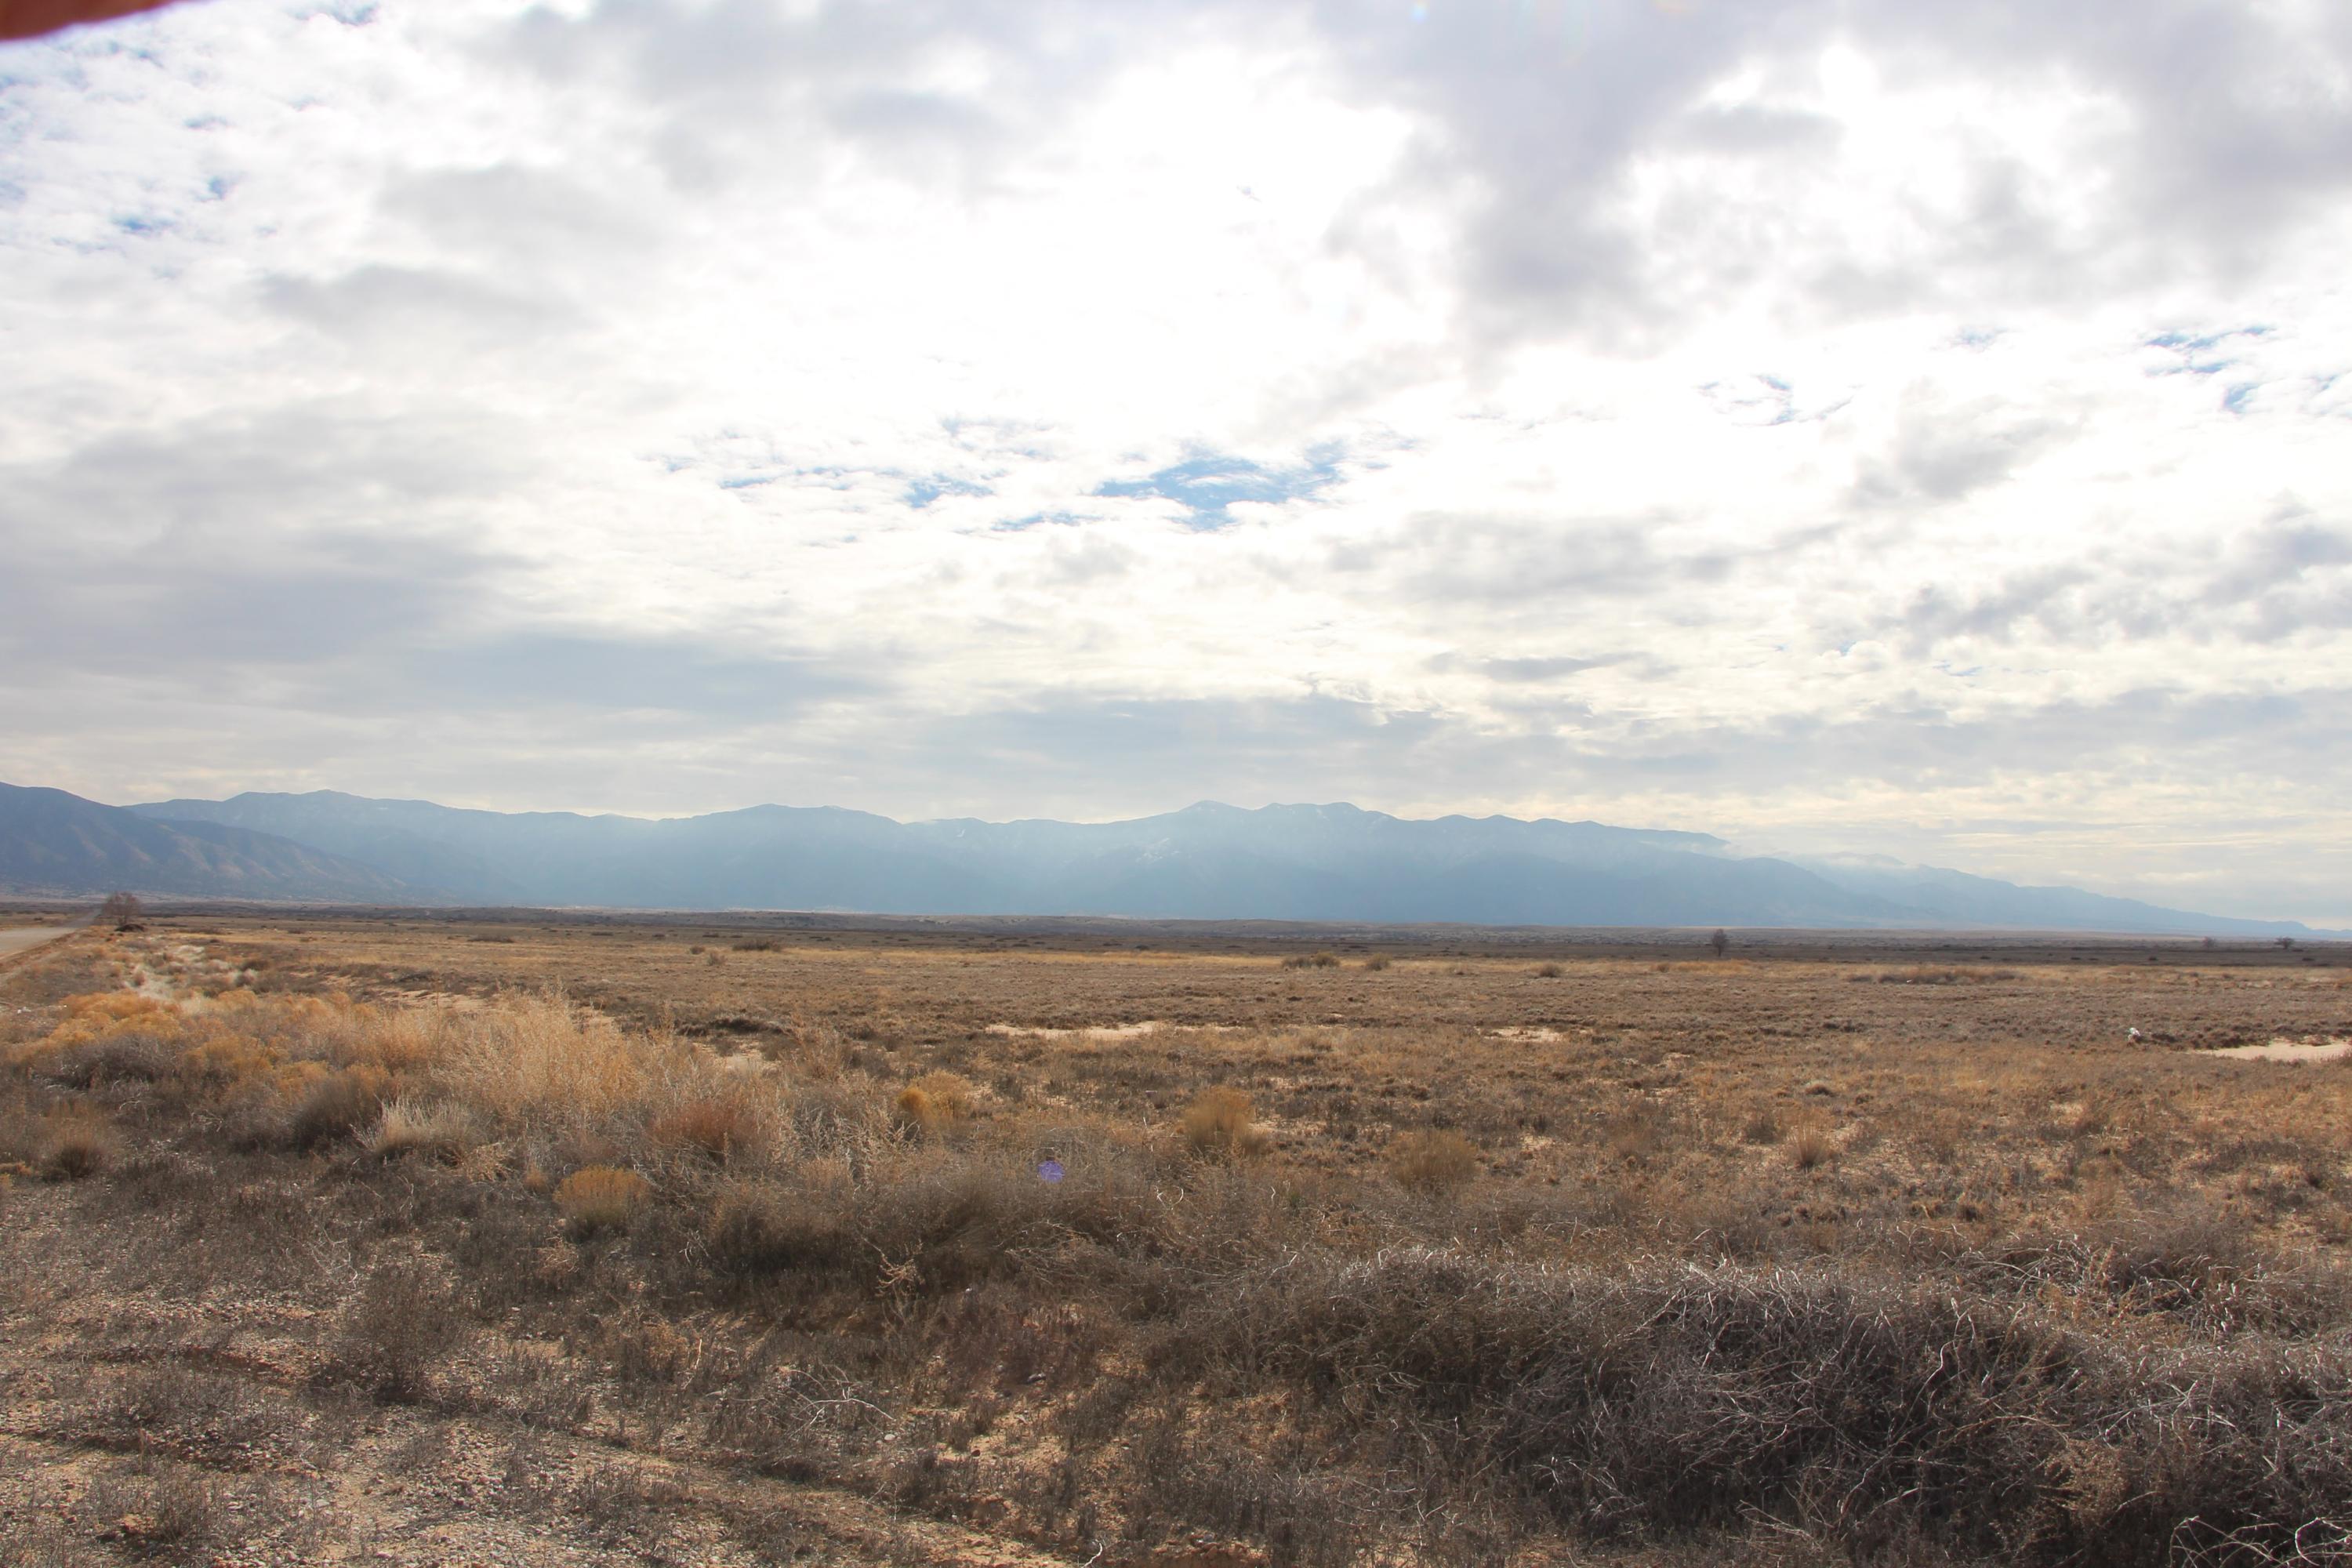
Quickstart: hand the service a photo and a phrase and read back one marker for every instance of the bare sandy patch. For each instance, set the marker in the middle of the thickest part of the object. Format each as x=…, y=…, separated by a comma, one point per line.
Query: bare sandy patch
x=2287, y=1050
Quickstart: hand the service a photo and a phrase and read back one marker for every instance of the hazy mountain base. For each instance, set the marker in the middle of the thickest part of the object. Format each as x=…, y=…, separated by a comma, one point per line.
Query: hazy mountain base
x=1742, y=1264
x=1209, y=861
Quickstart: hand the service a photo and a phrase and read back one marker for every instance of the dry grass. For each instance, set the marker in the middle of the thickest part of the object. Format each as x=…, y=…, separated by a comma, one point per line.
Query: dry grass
x=441, y=1129
x=1811, y=1148
x=601, y=1197
x=76, y=1140
x=1220, y=1122
x=1434, y=1161
x=714, y=1126
x=525, y=1059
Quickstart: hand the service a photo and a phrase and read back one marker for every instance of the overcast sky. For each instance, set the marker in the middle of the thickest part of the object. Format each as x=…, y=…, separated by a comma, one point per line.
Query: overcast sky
x=1839, y=424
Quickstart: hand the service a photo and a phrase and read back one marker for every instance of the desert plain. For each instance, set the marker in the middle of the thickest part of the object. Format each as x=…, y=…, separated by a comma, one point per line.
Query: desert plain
x=508, y=1237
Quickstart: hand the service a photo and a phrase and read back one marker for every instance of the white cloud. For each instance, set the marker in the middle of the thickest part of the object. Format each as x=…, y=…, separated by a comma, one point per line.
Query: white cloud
x=1845, y=425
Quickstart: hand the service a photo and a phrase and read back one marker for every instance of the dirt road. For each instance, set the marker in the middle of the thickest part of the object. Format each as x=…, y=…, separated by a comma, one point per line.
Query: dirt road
x=14, y=940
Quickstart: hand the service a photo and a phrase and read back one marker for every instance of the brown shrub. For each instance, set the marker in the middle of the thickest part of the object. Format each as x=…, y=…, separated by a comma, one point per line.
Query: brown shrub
x=1311, y=961
x=1763, y=1128
x=1434, y=1161
x=1547, y=971
x=1377, y=963
x=601, y=1197
x=754, y=1231
x=714, y=1127
x=1219, y=1123
x=76, y=1142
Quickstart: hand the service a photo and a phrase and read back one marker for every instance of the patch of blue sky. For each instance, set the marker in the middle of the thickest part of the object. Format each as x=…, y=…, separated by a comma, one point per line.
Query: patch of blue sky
x=2197, y=351
x=825, y=478
x=1207, y=486
x=922, y=491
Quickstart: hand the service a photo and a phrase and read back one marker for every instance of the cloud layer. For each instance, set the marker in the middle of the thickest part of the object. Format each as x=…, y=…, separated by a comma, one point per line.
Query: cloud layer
x=1835, y=425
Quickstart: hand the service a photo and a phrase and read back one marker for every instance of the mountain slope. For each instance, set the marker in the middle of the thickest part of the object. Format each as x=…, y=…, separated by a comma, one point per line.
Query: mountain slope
x=53, y=842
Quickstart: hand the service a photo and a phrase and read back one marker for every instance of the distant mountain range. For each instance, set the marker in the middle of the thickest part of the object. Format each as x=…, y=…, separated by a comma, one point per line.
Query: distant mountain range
x=52, y=842
x=1205, y=862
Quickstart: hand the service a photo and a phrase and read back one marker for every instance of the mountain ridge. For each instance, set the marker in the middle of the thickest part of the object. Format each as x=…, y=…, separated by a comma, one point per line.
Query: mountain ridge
x=1329, y=862
x=1206, y=860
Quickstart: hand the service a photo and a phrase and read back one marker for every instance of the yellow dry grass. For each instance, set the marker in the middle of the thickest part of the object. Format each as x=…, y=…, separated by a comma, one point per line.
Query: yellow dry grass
x=601, y=1197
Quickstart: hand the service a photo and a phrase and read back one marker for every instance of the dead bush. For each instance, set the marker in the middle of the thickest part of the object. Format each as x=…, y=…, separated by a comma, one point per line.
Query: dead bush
x=1377, y=963
x=126, y=1057
x=715, y=1127
x=1549, y=971
x=153, y=1503
x=1311, y=961
x=601, y=1197
x=401, y=1323
x=1219, y=1123
x=934, y=1101
x=1672, y=1397
x=1434, y=1160
x=337, y=1107
x=1634, y=1134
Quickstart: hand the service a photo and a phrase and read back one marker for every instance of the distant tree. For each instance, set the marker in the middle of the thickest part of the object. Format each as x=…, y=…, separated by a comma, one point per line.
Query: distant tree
x=1718, y=942
x=122, y=910
x=2286, y=943
x=2210, y=944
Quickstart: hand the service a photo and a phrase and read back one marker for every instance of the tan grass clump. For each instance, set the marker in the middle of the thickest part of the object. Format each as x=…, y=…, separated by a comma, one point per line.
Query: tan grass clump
x=443, y=1130
x=1219, y=1123
x=1377, y=963
x=1434, y=1160
x=1811, y=1147
x=528, y=1057
x=601, y=1197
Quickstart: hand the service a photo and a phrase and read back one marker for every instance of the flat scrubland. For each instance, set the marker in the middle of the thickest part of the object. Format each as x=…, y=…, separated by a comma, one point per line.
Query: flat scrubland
x=516, y=1241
